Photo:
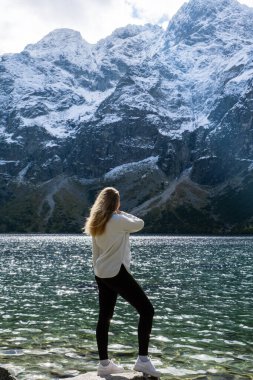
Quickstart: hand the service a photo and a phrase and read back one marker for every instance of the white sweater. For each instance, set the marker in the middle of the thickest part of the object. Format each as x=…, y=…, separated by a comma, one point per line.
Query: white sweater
x=112, y=248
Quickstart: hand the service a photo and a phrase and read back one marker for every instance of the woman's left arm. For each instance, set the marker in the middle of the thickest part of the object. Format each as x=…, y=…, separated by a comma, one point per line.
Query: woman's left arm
x=131, y=223
x=95, y=251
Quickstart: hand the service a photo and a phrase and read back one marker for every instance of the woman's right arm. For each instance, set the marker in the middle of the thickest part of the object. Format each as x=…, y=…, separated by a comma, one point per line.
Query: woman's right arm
x=130, y=223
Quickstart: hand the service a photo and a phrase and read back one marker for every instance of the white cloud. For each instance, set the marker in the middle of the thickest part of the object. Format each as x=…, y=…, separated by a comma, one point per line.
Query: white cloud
x=26, y=21
x=247, y=2
x=155, y=10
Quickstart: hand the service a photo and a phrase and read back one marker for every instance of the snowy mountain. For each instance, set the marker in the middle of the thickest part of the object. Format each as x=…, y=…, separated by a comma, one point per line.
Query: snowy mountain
x=165, y=116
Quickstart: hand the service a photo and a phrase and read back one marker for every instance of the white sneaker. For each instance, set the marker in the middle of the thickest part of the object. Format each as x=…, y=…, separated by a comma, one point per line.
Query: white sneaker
x=146, y=367
x=109, y=369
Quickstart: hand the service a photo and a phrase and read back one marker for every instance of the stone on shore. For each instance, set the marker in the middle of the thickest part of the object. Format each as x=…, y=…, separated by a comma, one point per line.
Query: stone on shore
x=121, y=376
x=5, y=375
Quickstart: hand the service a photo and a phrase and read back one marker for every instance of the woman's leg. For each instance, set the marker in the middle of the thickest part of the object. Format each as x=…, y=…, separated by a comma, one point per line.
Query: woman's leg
x=125, y=285
x=107, y=301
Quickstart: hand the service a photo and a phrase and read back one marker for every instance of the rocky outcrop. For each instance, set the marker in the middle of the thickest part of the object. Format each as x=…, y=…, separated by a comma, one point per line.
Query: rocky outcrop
x=123, y=376
x=5, y=375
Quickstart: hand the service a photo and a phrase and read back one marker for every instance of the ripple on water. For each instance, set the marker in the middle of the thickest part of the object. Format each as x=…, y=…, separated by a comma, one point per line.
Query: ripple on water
x=207, y=358
x=36, y=352
x=201, y=289
x=11, y=352
x=180, y=371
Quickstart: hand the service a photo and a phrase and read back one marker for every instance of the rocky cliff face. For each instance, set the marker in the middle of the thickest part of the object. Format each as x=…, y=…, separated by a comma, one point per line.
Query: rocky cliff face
x=165, y=116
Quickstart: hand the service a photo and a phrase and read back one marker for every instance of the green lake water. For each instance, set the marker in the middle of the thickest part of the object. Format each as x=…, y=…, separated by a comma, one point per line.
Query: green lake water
x=201, y=289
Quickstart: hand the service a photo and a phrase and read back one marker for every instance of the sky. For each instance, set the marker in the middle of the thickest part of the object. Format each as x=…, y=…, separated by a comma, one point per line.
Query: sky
x=27, y=21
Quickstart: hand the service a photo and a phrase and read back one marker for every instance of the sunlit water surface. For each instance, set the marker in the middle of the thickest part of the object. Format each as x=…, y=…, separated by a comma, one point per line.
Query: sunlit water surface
x=201, y=288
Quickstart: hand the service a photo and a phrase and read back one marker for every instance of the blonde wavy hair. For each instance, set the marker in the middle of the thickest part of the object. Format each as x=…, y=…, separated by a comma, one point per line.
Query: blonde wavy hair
x=104, y=206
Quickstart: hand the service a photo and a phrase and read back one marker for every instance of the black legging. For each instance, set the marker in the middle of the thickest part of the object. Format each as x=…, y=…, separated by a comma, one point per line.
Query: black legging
x=127, y=287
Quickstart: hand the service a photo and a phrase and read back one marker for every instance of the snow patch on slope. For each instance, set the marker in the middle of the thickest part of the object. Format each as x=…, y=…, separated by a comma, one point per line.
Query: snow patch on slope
x=62, y=124
x=122, y=170
x=22, y=173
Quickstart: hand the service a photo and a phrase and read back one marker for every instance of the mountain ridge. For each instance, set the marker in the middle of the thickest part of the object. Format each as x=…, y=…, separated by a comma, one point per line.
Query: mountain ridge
x=163, y=115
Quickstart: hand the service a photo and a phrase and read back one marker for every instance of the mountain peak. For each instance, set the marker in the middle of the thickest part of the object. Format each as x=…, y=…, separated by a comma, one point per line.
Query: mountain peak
x=211, y=3
x=58, y=41
x=61, y=35
x=217, y=5
x=208, y=18
x=131, y=30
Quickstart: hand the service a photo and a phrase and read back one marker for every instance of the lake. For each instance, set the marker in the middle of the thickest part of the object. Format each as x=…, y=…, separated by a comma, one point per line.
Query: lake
x=201, y=289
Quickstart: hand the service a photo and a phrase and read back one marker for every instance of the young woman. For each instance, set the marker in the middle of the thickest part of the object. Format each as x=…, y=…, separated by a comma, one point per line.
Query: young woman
x=110, y=228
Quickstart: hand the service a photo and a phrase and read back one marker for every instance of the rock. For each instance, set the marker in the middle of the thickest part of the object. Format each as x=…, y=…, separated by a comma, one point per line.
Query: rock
x=93, y=376
x=5, y=375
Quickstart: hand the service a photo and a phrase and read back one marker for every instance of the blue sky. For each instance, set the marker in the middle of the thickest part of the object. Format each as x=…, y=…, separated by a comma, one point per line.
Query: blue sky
x=27, y=21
